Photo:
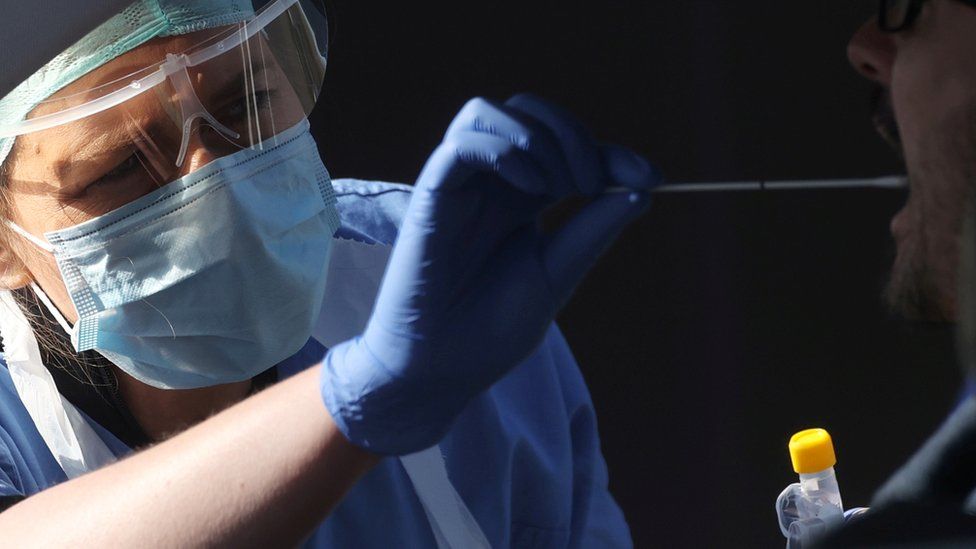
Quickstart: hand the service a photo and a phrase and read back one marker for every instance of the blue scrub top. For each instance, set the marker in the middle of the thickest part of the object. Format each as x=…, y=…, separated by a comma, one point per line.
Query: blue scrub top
x=524, y=456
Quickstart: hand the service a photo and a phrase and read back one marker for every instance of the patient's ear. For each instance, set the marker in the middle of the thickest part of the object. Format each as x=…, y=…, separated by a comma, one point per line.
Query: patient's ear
x=13, y=272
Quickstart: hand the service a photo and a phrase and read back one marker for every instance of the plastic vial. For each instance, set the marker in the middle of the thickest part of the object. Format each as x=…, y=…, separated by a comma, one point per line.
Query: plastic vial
x=807, y=510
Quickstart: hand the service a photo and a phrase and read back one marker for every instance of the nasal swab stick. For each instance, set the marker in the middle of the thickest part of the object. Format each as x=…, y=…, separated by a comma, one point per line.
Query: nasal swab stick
x=890, y=182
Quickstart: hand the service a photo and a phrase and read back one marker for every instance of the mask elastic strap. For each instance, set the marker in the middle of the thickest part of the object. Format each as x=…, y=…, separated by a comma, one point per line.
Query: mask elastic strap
x=40, y=243
x=51, y=308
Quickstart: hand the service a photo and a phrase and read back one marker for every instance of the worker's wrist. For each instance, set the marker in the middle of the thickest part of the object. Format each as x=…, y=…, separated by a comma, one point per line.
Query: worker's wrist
x=382, y=411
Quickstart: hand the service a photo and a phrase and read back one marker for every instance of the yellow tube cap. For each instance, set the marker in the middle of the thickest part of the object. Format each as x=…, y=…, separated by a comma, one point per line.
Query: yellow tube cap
x=812, y=451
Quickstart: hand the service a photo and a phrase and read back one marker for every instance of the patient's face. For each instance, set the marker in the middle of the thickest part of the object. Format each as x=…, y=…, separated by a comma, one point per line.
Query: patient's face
x=927, y=80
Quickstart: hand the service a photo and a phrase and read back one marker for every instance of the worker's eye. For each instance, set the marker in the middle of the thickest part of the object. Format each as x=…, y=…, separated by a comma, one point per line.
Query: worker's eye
x=253, y=102
x=120, y=173
x=127, y=181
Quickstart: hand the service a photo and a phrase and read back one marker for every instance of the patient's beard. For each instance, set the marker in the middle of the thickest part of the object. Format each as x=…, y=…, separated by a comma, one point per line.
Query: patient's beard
x=942, y=169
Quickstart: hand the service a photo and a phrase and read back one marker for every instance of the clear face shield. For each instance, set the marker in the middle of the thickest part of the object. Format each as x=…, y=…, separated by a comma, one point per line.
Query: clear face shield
x=172, y=105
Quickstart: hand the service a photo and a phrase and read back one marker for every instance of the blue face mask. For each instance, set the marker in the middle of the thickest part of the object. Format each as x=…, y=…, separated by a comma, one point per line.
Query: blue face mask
x=212, y=278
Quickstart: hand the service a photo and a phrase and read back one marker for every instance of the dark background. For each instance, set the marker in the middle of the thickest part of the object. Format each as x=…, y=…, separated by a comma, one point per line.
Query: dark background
x=720, y=323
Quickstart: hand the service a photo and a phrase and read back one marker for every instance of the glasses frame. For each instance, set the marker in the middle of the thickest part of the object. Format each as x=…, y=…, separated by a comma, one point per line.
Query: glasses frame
x=914, y=8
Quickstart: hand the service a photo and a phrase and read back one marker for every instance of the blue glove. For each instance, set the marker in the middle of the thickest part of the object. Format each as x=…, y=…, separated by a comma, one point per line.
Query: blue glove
x=473, y=283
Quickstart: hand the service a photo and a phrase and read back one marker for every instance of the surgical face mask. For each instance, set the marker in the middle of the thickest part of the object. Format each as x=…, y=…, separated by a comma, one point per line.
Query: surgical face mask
x=210, y=279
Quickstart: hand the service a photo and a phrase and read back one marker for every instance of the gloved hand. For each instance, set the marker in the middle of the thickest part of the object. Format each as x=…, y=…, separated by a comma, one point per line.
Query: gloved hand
x=473, y=283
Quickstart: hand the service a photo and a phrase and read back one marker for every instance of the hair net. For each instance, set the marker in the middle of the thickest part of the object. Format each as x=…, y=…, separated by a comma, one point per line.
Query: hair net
x=134, y=26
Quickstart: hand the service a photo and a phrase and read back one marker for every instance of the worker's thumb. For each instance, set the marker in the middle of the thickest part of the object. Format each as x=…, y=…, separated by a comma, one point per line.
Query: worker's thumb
x=576, y=246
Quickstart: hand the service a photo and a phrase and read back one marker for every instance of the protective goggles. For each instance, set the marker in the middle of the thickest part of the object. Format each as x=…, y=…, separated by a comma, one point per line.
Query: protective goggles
x=154, y=114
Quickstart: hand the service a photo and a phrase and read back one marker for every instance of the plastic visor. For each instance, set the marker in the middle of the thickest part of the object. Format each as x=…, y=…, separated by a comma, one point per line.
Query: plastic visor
x=172, y=105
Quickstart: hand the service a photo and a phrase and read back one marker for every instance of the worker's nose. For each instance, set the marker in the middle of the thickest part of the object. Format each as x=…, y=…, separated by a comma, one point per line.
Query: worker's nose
x=198, y=153
x=872, y=53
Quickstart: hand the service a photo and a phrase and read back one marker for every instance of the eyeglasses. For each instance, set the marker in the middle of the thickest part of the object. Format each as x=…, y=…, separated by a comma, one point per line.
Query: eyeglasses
x=897, y=15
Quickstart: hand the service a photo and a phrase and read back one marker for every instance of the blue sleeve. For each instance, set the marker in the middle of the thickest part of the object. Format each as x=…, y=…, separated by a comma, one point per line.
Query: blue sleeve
x=597, y=519
x=370, y=211
x=8, y=472
x=26, y=465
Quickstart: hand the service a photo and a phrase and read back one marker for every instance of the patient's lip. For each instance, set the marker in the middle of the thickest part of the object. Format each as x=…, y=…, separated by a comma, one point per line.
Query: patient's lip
x=899, y=224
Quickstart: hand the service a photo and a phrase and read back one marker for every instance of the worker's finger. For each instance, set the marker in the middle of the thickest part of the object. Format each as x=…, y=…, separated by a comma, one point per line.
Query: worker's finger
x=466, y=153
x=626, y=168
x=484, y=116
x=578, y=146
x=575, y=247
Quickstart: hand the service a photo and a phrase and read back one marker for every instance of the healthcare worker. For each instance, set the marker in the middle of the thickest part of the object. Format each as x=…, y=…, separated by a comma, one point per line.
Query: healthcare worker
x=282, y=357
